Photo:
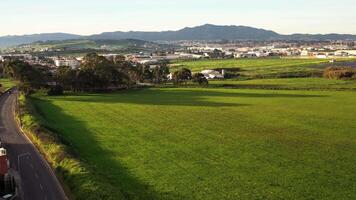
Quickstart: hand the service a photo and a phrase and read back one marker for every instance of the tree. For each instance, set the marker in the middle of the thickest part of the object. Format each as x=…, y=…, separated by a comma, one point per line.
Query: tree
x=33, y=76
x=119, y=58
x=97, y=73
x=182, y=75
x=200, y=79
x=66, y=76
x=216, y=54
x=160, y=73
x=56, y=90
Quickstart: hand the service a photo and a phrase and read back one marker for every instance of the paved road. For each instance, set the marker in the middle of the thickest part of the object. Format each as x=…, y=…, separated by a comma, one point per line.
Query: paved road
x=37, y=179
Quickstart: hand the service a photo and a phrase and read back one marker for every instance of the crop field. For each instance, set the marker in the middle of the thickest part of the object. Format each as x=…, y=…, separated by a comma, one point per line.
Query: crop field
x=193, y=143
x=264, y=67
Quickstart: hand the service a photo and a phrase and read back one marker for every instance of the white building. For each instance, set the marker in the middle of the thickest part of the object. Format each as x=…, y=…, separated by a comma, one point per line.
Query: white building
x=212, y=74
x=73, y=63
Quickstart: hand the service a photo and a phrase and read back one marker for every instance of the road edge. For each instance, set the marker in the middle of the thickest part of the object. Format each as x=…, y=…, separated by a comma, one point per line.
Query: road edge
x=58, y=180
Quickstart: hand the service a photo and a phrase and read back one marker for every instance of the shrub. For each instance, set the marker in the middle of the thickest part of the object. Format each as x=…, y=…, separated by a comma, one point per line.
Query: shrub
x=181, y=75
x=339, y=73
x=25, y=88
x=200, y=79
x=55, y=91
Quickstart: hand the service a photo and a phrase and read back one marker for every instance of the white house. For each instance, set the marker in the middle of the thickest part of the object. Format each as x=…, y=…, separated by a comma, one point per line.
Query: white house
x=212, y=74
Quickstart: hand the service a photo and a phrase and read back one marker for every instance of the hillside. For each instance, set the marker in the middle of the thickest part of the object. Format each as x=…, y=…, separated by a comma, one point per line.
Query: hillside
x=26, y=39
x=204, y=32
x=79, y=44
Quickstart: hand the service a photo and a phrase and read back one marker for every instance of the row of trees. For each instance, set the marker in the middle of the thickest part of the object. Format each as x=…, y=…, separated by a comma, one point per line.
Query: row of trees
x=96, y=73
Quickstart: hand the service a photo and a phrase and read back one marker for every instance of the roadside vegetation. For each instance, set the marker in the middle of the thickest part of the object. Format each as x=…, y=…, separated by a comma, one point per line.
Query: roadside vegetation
x=70, y=169
x=6, y=83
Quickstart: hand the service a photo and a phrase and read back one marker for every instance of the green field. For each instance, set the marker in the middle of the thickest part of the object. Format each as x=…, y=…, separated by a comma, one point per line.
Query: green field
x=261, y=68
x=287, y=84
x=212, y=143
x=6, y=84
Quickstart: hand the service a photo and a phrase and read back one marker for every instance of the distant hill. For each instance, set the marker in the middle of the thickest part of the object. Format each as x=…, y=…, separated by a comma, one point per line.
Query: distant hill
x=204, y=32
x=78, y=44
x=26, y=39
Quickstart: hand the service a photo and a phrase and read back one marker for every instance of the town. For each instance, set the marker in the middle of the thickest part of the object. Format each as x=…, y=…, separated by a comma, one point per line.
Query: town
x=197, y=50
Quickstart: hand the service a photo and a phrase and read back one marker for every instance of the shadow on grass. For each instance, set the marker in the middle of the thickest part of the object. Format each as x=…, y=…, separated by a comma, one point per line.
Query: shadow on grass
x=177, y=97
x=101, y=162
x=115, y=179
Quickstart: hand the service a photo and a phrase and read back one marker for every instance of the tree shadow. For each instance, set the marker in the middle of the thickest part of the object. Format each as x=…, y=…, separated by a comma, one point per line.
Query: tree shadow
x=177, y=97
x=98, y=161
x=101, y=162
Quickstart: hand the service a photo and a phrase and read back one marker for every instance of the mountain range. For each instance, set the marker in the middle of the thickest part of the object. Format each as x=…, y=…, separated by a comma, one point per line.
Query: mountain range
x=204, y=32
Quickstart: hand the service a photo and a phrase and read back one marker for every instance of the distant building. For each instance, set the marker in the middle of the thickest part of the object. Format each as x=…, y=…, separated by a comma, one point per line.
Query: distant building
x=212, y=74
x=73, y=63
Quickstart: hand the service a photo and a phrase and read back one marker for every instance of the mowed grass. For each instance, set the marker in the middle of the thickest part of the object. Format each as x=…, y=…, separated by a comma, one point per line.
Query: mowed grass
x=212, y=143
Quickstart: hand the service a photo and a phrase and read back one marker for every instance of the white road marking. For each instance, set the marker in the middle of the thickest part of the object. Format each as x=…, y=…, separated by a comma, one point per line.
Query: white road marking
x=36, y=175
x=31, y=165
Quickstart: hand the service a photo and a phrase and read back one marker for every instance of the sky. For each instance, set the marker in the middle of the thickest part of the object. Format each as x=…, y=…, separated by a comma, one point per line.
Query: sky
x=87, y=17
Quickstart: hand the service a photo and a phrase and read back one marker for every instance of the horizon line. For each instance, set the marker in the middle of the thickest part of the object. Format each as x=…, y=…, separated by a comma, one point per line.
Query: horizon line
x=157, y=31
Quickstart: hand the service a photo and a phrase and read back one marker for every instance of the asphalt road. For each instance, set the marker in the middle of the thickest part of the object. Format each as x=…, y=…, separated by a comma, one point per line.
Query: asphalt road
x=37, y=178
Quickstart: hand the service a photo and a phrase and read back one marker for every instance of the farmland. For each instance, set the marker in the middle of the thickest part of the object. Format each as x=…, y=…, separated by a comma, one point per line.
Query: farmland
x=262, y=68
x=193, y=143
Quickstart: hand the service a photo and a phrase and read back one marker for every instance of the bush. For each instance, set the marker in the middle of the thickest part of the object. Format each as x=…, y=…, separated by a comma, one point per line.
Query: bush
x=200, y=79
x=25, y=88
x=182, y=75
x=55, y=91
x=340, y=73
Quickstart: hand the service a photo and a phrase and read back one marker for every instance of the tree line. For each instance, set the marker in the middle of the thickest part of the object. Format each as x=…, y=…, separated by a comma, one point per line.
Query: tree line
x=96, y=73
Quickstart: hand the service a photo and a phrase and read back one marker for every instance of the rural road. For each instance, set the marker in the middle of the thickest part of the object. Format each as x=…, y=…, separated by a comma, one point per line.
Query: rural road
x=37, y=178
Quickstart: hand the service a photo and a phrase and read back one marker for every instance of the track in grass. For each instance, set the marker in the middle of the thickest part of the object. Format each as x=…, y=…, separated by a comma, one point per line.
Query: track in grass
x=213, y=143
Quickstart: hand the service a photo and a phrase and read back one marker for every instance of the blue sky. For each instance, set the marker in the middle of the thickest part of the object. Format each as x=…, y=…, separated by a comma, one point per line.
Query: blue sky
x=95, y=16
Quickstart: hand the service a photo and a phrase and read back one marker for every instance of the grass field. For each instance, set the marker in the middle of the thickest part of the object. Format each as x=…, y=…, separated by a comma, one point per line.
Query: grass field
x=212, y=143
x=261, y=68
x=287, y=84
x=6, y=84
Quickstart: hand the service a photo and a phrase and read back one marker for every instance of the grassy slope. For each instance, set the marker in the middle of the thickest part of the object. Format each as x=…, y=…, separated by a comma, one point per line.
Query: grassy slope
x=213, y=143
x=6, y=84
